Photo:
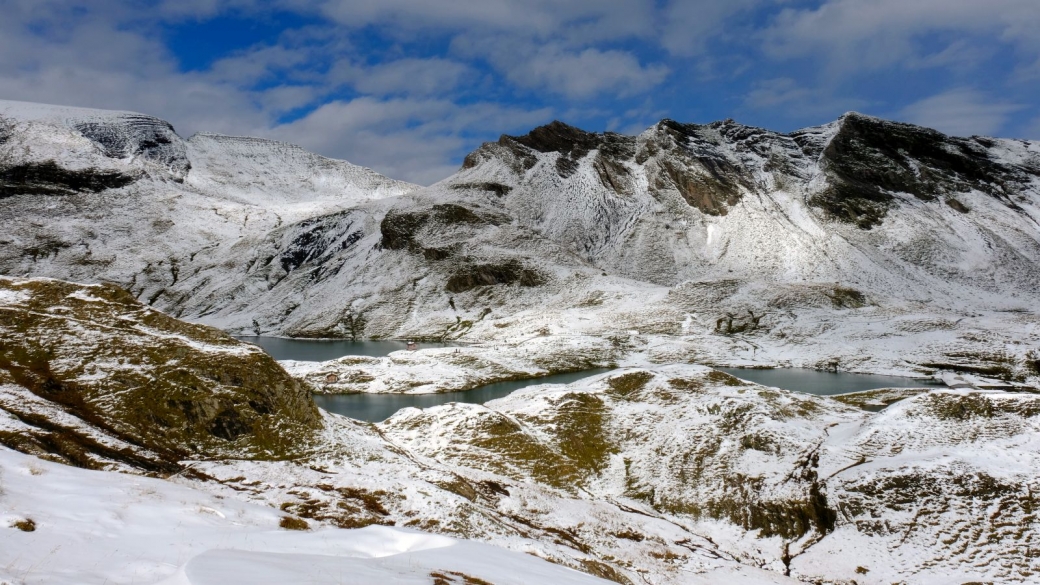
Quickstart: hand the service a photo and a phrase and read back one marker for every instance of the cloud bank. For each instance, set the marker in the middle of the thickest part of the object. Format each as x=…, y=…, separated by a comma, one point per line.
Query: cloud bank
x=407, y=87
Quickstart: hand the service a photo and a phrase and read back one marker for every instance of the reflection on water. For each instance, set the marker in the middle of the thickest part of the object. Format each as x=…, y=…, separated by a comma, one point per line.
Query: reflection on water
x=377, y=407
x=320, y=350
x=824, y=383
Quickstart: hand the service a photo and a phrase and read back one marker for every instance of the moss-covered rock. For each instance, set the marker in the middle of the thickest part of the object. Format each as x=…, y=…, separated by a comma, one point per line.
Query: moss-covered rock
x=48, y=178
x=471, y=276
x=401, y=229
x=174, y=389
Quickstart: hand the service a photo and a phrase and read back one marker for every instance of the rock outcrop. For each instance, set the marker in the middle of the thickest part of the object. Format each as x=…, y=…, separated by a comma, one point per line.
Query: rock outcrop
x=89, y=375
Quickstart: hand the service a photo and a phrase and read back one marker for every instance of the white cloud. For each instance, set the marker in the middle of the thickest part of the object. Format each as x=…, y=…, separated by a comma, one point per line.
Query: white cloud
x=543, y=45
x=854, y=34
x=583, y=74
x=93, y=62
x=554, y=68
x=413, y=139
x=256, y=64
x=775, y=92
x=587, y=20
x=432, y=76
x=797, y=103
x=960, y=112
x=286, y=98
x=961, y=54
x=690, y=25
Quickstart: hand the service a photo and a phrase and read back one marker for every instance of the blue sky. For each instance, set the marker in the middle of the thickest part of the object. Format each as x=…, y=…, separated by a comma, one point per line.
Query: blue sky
x=408, y=87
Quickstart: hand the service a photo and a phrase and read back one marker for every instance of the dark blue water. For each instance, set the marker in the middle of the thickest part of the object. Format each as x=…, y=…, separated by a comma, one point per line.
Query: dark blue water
x=377, y=407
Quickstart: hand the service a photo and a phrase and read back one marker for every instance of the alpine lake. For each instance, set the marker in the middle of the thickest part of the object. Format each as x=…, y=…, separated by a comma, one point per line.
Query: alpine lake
x=378, y=407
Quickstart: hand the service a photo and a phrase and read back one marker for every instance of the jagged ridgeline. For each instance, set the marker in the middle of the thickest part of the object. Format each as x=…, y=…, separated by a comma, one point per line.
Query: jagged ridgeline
x=252, y=235
x=90, y=376
x=865, y=162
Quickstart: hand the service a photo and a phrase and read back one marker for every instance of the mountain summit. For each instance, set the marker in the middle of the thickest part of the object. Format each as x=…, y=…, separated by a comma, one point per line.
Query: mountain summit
x=260, y=236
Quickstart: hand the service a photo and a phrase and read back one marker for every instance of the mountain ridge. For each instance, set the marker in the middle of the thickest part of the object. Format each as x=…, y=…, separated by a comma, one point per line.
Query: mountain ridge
x=558, y=229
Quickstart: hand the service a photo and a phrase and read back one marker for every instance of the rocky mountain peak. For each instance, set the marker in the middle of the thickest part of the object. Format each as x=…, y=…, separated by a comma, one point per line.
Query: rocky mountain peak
x=868, y=160
x=123, y=136
x=558, y=137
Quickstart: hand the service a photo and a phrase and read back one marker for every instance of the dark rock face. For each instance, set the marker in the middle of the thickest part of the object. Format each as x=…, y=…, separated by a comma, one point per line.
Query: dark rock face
x=686, y=158
x=559, y=137
x=469, y=277
x=170, y=389
x=311, y=242
x=401, y=229
x=6, y=130
x=691, y=162
x=48, y=178
x=869, y=158
x=957, y=205
x=573, y=144
x=139, y=136
x=496, y=188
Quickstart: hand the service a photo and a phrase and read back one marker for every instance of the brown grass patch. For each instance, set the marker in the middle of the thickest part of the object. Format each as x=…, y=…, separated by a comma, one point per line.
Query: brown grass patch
x=291, y=523
x=27, y=525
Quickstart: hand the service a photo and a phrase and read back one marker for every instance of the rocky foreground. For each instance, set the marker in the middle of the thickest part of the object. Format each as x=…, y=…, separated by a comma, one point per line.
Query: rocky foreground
x=647, y=474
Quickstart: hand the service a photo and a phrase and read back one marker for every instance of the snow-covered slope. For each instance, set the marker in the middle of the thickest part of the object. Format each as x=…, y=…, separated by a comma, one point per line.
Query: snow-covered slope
x=93, y=195
x=79, y=139
x=936, y=488
x=884, y=207
x=737, y=236
x=662, y=474
x=861, y=245
x=887, y=210
x=94, y=379
x=98, y=527
x=277, y=175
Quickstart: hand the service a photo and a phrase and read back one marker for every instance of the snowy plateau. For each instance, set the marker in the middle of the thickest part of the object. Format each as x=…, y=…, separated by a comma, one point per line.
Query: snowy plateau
x=141, y=442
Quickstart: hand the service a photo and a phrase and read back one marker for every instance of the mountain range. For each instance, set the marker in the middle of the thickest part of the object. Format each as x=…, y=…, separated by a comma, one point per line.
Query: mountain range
x=683, y=229
x=128, y=254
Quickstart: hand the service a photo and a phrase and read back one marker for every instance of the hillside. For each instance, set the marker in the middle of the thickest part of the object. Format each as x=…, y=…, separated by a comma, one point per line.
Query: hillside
x=99, y=196
x=91, y=377
x=803, y=249
x=663, y=474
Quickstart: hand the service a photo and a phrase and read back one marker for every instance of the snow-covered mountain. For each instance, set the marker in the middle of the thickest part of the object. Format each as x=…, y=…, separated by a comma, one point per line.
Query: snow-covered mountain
x=93, y=195
x=885, y=207
x=683, y=230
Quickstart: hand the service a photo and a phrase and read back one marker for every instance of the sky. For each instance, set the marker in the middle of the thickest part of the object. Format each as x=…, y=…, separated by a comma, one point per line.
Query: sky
x=408, y=87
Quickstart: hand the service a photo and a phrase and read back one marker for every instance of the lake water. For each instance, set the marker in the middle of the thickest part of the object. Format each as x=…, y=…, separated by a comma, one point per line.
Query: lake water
x=824, y=383
x=320, y=350
x=377, y=407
